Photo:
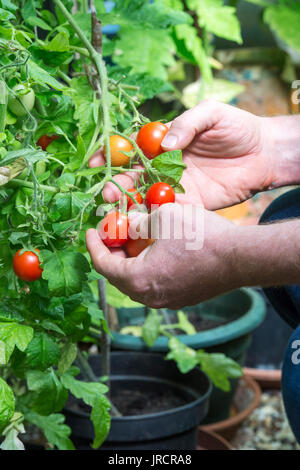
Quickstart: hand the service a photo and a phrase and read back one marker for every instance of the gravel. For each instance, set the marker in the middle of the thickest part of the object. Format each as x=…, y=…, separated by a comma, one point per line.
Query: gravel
x=267, y=428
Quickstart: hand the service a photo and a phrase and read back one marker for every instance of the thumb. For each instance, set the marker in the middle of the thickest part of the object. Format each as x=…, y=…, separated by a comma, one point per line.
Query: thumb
x=107, y=264
x=184, y=129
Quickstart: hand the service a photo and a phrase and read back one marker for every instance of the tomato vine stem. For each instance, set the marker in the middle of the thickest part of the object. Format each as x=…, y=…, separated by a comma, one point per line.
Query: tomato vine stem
x=97, y=59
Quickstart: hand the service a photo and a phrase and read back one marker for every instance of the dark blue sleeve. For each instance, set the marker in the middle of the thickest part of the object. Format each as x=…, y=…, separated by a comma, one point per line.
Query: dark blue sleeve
x=286, y=301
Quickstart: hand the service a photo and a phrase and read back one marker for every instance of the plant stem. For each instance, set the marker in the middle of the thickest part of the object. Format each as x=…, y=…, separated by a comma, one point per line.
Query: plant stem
x=27, y=184
x=101, y=69
x=123, y=191
x=105, y=338
x=85, y=367
x=80, y=50
x=3, y=104
x=64, y=76
x=87, y=371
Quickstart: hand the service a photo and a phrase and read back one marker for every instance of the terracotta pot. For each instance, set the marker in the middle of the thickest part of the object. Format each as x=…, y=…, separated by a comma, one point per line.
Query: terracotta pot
x=245, y=401
x=209, y=440
x=266, y=378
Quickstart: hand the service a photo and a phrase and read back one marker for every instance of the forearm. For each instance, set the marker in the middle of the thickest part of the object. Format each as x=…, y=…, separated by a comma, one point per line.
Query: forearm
x=282, y=135
x=267, y=255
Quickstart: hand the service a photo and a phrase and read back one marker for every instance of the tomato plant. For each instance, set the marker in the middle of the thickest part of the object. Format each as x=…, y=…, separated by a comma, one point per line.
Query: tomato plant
x=54, y=82
x=150, y=137
x=158, y=194
x=114, y=229
x=27, y=266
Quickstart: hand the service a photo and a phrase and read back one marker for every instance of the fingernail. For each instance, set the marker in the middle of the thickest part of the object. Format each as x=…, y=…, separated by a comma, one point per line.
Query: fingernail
x=169, y=141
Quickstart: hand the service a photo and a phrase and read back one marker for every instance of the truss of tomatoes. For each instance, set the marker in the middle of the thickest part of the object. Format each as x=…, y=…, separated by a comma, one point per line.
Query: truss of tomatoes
x=114, y=228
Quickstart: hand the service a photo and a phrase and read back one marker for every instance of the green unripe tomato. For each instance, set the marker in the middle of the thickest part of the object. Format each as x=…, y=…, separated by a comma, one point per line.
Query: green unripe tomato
x=27, y=99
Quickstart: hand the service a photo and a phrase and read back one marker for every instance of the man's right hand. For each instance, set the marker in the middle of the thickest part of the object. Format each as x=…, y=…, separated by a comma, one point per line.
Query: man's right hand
x=228, y=153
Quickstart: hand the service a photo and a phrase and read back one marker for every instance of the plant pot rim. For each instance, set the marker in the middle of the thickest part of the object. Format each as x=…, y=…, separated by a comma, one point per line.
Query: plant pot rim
x=235, y=421
x=266, y=378
x=152, y=426
x=212, y=337
x=146, y=416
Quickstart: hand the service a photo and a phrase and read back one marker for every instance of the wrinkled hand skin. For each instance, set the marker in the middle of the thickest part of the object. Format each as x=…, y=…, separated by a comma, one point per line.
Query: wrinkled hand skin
x=227, y=153
x=166, y=274
x=230, y=156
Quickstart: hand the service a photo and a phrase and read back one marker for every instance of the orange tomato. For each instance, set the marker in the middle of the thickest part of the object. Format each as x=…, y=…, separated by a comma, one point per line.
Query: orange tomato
x=118, y=145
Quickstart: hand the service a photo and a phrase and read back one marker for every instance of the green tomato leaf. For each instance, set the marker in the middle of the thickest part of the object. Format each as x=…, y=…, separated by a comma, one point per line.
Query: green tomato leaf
x=189, y=44
x=67, y=206
x=92, y=393
x=86, y=391
x=135, y=14
x=185, y=357
x=11, y=440
x=151, y=328
x=101, y=420
x=170, y=164
x=117, y=299
x=6, y=15
x=41, y=76
x=28, y=9
x=140, y=51
x=14, y=335
x=35, y=21
x=49, y=396
x=60, y=43
x=7, y=404
x=218, y=19
x=65, y=271
x=68, y=356
x=8, y=5
x=284, y=20
x=57, y=433
x=30, y=155
x=136, y=331
x=219, y=368
x=41, y=352
x=184, y=323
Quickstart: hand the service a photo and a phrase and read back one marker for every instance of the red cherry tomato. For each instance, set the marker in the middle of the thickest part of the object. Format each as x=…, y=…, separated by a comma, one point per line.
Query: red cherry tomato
x=158, y=194
x=114, y=229
x=135, y=247
x=46, y=140
x=137, y=197
x=27, y=266
x=118, y=145
x=150, y=137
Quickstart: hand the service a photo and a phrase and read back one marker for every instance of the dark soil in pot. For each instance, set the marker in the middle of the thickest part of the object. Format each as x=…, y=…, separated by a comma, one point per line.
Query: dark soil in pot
x=136, y=399
x=224, y=325
x=161, y=406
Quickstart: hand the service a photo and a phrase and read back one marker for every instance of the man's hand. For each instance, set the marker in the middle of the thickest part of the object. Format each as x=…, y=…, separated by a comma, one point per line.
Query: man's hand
x=167, y=274
x=227, y=151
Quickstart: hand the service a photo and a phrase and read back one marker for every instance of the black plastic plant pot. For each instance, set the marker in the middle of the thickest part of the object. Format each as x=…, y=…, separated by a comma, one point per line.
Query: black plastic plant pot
x=238, y=313
x=149, y=377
